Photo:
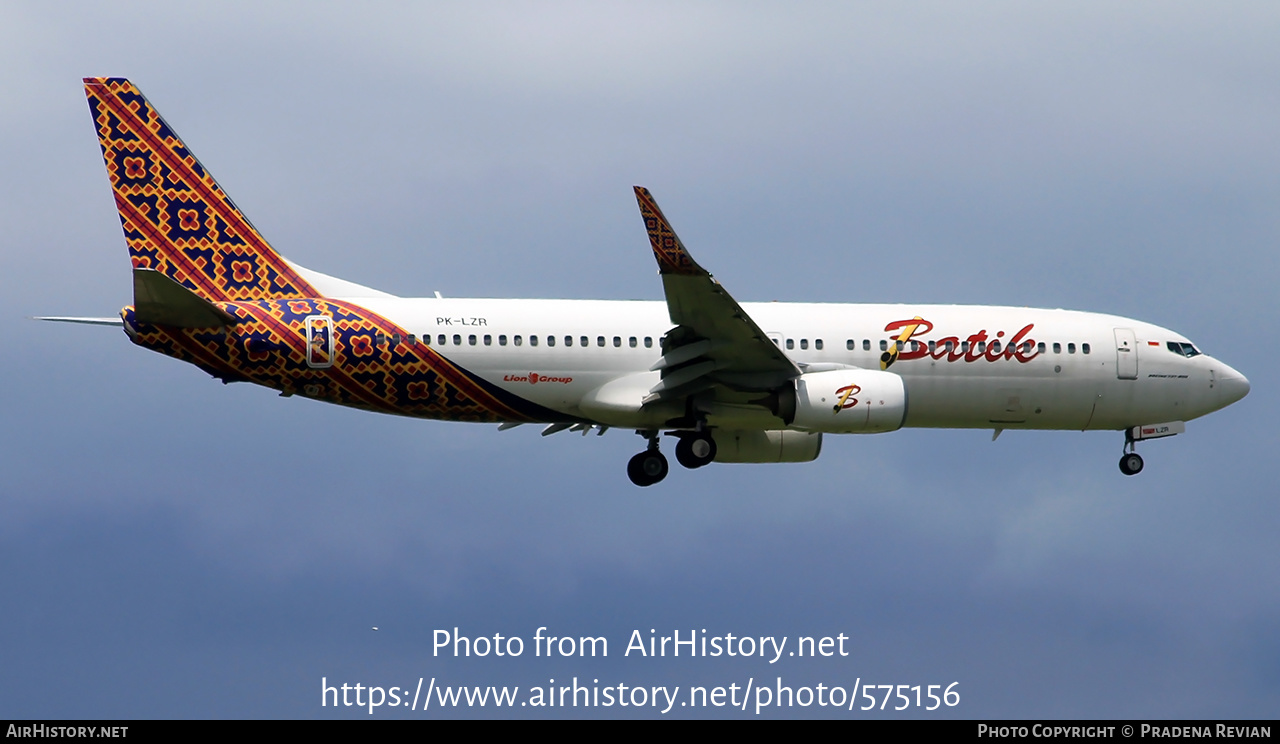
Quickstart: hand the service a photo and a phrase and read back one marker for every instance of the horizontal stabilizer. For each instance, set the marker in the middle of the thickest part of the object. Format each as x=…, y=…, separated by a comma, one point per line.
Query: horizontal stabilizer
x=159, y=300
x=116, y=321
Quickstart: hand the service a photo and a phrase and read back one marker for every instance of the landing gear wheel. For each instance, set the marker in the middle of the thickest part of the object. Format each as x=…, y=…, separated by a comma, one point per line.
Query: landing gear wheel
x=1131, y=464
x=647, y=468
x=694, y=451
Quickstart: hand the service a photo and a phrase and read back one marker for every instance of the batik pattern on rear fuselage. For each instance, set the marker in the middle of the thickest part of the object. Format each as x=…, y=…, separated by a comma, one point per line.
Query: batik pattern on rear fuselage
x=362, y=365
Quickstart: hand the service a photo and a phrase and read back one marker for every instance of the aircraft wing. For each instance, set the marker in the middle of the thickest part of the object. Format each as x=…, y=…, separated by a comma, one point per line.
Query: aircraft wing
x=714, y=341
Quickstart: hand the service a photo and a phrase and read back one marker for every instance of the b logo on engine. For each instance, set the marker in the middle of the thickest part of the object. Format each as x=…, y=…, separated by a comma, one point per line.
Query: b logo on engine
x=847, y=400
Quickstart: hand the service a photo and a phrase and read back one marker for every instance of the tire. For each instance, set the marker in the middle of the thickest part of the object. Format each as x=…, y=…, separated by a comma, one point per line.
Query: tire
x=1131, y=464
x=647, y=468
x=695, y=451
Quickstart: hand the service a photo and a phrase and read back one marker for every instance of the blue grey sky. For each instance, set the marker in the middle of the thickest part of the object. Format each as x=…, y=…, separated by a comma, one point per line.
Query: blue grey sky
x=173, y=547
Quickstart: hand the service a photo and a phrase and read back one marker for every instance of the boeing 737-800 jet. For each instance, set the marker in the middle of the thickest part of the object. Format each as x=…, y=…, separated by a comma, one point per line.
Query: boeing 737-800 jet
x=731, y=382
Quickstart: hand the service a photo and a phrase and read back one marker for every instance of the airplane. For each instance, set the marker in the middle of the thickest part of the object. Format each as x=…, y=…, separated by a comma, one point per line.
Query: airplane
x=731, y=382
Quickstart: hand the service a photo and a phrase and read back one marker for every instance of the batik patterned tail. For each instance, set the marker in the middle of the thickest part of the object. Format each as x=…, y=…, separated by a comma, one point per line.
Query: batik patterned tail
x=176, y=218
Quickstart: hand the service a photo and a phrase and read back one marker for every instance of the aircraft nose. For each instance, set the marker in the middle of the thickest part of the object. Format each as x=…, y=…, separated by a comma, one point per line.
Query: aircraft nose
x=1233, y=385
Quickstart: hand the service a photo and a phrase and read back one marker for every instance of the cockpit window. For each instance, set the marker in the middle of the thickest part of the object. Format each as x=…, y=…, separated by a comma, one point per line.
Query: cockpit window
x=1182, y=348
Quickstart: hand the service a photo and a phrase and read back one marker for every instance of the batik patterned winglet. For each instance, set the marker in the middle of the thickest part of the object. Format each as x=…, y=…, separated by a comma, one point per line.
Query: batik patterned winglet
x=176, y=218
x=667, y=248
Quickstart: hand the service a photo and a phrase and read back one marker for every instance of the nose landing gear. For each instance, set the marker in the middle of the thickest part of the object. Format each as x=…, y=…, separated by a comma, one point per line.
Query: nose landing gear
x=1131, y=463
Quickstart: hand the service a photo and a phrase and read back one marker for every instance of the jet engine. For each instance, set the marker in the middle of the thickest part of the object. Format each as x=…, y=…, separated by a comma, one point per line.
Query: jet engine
x=847, y=401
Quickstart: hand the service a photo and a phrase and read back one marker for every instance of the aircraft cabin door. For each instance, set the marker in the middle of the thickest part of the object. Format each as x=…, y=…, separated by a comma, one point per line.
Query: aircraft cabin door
x=1126, y=354
x=319, y=341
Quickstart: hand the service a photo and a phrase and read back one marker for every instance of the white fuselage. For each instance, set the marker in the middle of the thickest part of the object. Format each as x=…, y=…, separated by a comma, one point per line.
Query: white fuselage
x=1068, y=370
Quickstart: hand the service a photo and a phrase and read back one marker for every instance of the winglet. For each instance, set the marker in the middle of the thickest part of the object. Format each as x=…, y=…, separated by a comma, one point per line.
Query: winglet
x=667, y=248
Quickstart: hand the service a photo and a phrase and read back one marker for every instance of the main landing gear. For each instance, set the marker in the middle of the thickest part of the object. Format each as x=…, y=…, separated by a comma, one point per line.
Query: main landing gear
x=649, y=466
x=694, y=450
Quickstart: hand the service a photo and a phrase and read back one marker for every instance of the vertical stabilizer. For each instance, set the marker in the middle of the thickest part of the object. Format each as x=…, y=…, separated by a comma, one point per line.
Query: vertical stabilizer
x=176, y=218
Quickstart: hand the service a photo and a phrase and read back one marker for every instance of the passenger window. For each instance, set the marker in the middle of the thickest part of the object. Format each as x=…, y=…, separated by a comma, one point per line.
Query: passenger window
x=502, y=339
x=648, y=342
x=426, y=339
x=413, y=339
x=1071, y=348
x=471, y=339
x=617, y=342
x=817, y=344
x=517, y=340
x=442, y=339
x=884, y=345
x=866, y=344
x=900, y=345
x=964, y=347
x=915, y=346
x=533, y=340
x=982, y=347
x=379, y=339
x=583, y=341
x=848, y=344
x=791, y=343
x=950, y=346
x=1039, y=348
x=995, y=347
x=933, y=347
x=568, y=340
x=1084, y=348
x=804, y=343
x=632, y=343
x=488, y=340
x=1057, y=348
x=551, y=340
x=599, y=340
x=457, y=339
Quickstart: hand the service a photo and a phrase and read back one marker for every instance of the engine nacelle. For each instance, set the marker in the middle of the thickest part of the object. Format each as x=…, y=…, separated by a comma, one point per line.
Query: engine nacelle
x=756, y=445
x=848, y=401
